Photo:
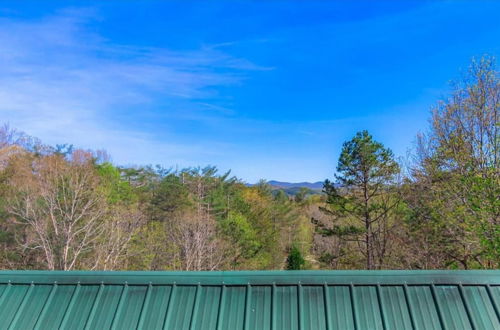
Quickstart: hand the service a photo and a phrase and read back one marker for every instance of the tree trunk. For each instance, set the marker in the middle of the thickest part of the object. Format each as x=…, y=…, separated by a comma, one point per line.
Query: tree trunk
x=368, y=225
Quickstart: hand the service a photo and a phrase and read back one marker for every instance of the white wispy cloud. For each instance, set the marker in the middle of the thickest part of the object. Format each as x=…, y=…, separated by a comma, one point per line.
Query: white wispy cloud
x=63, y=82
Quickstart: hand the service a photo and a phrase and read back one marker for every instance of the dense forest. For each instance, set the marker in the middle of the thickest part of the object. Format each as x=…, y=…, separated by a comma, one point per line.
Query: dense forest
x=66, y=208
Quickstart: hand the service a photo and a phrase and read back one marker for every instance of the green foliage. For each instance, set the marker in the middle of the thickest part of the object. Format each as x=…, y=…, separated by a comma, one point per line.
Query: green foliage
x=484, y=202
x=241, y=234
x=453, y=194
x=339, y=231
x=445, y=212
x=168, y=197
x=301, y=195
x=364, y=161
x=361, y=202
x=295, y=261
x=116, y=189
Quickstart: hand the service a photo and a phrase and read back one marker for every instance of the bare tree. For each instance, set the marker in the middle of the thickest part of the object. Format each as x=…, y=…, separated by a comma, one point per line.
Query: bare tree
x=465, y=131
x=455, y=180
x=119, y=228
x=59, y=201
x=198, y=245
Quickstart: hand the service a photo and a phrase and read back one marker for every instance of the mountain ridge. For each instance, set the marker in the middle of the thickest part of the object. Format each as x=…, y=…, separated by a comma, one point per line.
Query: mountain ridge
x=286, y=185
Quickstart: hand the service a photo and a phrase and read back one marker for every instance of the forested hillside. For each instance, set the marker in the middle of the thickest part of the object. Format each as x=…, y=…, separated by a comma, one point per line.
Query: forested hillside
x=66, y=208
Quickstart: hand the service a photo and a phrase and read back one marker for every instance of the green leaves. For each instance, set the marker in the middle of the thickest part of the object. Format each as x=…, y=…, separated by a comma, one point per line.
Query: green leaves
x=454, y=194
x=295, y=261
x=237, y=227
x=361, y=202
x=115, y=188
x=365, y=161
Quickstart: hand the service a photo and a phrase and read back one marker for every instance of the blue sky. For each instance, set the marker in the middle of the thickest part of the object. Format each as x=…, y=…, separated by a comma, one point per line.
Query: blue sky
x=269, y=89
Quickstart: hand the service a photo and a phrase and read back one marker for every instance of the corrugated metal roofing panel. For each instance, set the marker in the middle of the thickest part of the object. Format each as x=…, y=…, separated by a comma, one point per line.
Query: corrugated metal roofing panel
x=259, y=316
x=285, y=308
x=36, y=300
x=155, y=307
x=104, y=307
x=423, y=307
x=452, y=307
x=181, y=307
x=206, y=313
x=11, y=300
x=233, y=307
x=80, y=307
x=250, y=300
x=395, y=313
x=340, y=311
x=482, y=310
x=367, y=318
x=313, y=311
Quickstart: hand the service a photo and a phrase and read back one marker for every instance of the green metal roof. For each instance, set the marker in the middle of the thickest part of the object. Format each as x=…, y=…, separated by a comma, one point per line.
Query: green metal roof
x=250, y=300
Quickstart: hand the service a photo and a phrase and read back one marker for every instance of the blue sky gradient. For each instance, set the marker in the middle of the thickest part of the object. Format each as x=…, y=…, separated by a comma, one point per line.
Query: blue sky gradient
x=269, y=89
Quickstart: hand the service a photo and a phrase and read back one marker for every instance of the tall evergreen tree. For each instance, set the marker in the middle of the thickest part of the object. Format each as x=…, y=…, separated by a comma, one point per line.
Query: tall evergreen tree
x=366, y=170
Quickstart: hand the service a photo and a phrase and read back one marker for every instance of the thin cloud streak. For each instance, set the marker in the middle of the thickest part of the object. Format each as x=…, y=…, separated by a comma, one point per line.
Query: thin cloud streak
x=63, y=83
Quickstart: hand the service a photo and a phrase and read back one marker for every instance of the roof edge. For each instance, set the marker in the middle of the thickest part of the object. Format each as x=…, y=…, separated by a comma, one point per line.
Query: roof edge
x=307, y=277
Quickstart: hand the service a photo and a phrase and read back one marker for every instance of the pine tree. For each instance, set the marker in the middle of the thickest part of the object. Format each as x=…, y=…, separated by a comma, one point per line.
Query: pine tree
x=366, y=170
x=295, y=261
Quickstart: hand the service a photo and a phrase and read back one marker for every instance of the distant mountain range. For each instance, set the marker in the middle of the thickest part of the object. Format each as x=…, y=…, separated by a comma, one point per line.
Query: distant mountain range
x=286, y=185
x=292, y=188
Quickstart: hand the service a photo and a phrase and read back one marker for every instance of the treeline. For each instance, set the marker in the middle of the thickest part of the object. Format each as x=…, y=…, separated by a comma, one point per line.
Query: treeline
x=441, y=209
x=72, y=209
x=65, y=208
